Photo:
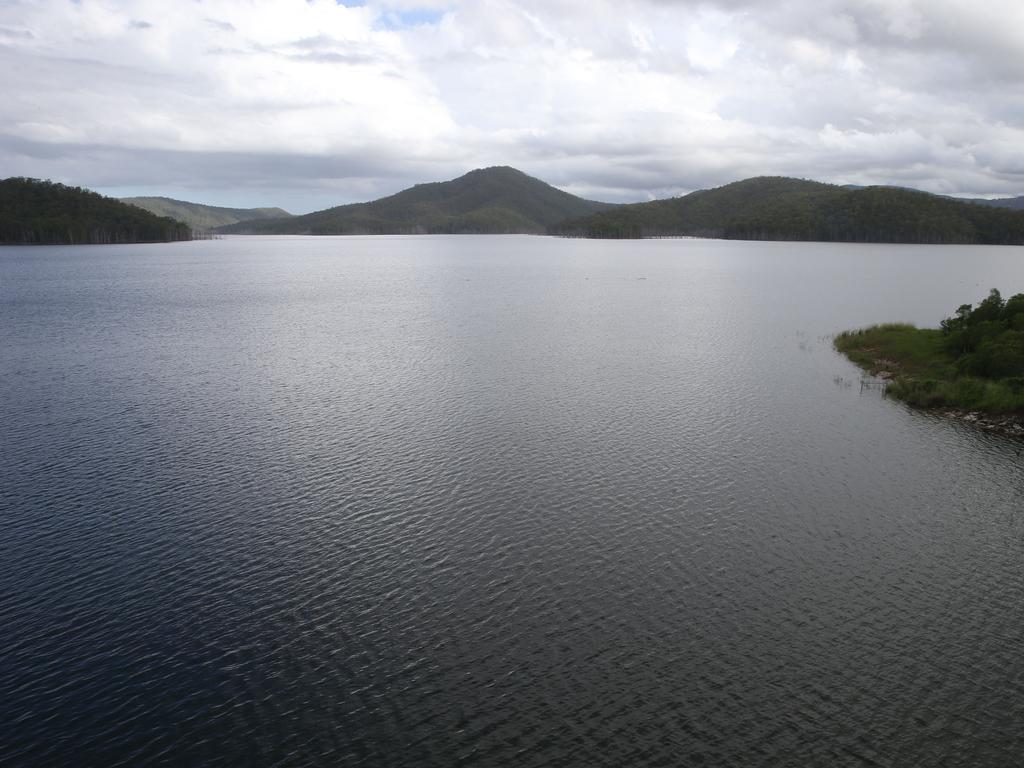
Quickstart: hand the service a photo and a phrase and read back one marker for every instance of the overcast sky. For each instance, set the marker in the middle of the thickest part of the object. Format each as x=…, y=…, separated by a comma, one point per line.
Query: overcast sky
x=312, y=104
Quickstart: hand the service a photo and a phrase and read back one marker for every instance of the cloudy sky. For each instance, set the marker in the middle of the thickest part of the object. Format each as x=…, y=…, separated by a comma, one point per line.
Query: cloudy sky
x=307, y=104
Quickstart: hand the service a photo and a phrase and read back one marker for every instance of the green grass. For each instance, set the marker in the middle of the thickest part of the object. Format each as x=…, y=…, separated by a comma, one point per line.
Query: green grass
x=923, y=371
x=899, y=348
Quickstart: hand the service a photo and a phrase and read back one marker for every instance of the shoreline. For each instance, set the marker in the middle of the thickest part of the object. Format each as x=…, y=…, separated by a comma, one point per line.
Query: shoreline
x=1010, y=425
x=916, y=367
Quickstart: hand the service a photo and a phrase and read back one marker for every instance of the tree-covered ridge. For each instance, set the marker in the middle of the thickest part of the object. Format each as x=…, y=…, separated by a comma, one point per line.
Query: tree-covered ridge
x=498, y=200
x=973, y=361
x=201, y=217
x=34, y=212
x=778, y=208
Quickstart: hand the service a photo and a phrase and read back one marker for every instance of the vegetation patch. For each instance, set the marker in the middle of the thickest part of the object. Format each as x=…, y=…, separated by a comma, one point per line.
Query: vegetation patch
x=973, y=363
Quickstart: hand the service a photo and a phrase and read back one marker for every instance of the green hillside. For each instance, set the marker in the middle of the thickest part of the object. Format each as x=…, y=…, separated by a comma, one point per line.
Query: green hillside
x=486, y=201
x=778, y=208
x=34, y=212
x=202, y=217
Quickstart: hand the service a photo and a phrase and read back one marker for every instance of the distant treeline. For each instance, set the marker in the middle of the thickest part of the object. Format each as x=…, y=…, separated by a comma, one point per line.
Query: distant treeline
x=503, y=200
x=775, y=208
x=34, y=212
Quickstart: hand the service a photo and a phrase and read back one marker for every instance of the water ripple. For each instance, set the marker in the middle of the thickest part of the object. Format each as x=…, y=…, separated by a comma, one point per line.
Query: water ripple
x=487, y=502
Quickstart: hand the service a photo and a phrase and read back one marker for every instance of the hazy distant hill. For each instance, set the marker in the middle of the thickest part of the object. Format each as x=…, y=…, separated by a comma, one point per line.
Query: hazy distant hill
x=1016, y=203
x=778, y=208
x=34, y=212
x=487, y=201
x=202, y=217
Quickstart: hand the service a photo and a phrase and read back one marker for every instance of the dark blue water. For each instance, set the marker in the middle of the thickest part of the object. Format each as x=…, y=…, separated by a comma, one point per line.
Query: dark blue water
x=495, y=502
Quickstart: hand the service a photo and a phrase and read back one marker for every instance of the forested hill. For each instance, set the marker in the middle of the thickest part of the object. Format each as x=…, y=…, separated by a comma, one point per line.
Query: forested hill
x=202, y=217
x=34, y=212
x=486, y=201
x=778, y=208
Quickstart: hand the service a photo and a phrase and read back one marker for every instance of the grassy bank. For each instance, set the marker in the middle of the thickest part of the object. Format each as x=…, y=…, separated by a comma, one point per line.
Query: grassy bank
x=974, y=362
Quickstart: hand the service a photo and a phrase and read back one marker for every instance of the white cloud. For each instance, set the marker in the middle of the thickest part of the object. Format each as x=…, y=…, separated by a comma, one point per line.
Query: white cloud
x=314, y=103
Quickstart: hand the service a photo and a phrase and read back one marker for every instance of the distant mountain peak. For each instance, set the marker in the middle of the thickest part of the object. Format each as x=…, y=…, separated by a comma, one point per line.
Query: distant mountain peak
x=497, y=199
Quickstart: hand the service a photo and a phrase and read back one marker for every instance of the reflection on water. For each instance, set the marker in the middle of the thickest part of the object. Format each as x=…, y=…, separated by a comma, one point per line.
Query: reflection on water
x=496, y=501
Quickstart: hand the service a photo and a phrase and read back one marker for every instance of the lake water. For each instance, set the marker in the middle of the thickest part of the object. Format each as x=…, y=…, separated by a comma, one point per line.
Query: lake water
x=496, y=501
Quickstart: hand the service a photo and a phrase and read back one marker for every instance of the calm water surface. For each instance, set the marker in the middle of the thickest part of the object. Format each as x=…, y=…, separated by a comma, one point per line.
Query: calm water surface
x=500, y=501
